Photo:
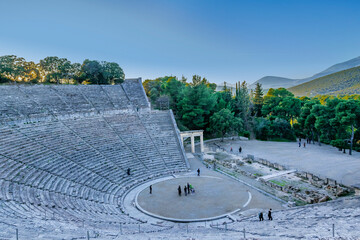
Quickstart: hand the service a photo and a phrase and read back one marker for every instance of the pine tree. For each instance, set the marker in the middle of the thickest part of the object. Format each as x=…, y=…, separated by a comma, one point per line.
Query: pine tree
x=241, y=103
x=258, y=99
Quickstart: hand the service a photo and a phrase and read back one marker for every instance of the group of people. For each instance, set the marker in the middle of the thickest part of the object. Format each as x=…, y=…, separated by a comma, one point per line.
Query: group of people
x=308, y=141
x=187, y=189
x=300, y=143
x=261, y=216
x=240, y=149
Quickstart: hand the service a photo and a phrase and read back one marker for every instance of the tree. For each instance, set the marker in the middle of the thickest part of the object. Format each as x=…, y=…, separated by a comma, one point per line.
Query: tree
x=93, y=71
x=348, y=114
x=183, y=79
x=54, y=68
x=288, y=108
x=223, y=100
x=12, y=67
x=112, y=72
x=281, y=103
x=66, y=70
x=241, y=103
x=173, y=88
x=196, y=106
x=224, y=122
x=258, y=100
x=196, y=80
x=282, y=129
x=31, y=72
x=262, y=128
x=307, y=119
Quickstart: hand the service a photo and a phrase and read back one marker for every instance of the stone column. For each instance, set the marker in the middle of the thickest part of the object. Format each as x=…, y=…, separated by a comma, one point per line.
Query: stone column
x=201, y=143
x=192, y=144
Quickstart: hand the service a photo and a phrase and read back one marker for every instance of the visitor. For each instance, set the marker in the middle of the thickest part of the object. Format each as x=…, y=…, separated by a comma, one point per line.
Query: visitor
x=299, y=144
x=128, y=171
x=150, y=189
x=198, y=171
x=179, y=190
x=240, y=149
x=261, y=216
x=185, y=191
x=304, y=144
x=192, y=189
x=188, y=188
x=269, y=215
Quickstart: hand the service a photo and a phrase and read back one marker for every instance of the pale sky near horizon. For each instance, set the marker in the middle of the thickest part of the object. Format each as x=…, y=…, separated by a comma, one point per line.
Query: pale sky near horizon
x=220, y=40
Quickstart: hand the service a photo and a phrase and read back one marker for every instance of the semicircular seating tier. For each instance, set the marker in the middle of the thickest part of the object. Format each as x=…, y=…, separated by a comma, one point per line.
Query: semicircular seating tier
x=65, y=150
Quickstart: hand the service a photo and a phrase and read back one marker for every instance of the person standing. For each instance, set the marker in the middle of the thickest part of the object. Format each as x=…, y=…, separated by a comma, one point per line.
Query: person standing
x=231, y=149
x=299, y=144
x=198, y=171
x=179, y=190
x=304, y=144
x=185, y=190
x=269, y=215
x=188, y=188
x=128, y=171
x=240, y=149
x=261, y=216
x=150, y=189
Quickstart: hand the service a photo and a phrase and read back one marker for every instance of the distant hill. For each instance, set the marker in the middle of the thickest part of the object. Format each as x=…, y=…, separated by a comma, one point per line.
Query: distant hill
x=276, y=82
x=342, y=82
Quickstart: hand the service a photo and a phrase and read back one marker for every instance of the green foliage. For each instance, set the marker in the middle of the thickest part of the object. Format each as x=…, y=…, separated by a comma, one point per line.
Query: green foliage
x=258, y=100
x=245, y=134
x=196, y=106
x=223, y=122
x=324, y=118
x=281, y=103
x=273, y=128
x=168, y=86
x=59, y=70
x=241, y=104
x=262, y=128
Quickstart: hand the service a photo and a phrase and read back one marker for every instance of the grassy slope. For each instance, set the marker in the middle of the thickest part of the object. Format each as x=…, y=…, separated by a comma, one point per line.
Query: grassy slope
x=343, y=82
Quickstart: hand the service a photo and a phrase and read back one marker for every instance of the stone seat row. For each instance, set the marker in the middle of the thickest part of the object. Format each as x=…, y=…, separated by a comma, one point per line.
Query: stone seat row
x=37, y=101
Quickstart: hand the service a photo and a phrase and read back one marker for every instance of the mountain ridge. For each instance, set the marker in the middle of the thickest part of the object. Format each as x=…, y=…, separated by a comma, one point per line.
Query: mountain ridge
x=275, y=81
x=342, y=82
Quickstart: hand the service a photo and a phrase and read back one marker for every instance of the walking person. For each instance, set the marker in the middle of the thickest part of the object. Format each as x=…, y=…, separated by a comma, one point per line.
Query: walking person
x=261, y=216
x=185, y=190
x=269, y=215
x=299, y=144
x=240, y=149
x=188, y=188
x=304, y=144
x=179, y=190
x=198, y=171
x=150, y=189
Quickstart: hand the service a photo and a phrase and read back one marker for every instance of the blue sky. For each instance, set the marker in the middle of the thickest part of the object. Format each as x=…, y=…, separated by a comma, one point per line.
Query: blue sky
x=221, y=40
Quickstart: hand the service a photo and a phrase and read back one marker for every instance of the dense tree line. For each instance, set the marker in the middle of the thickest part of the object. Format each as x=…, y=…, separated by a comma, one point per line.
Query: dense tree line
x=15, y=69
x=276, y=115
